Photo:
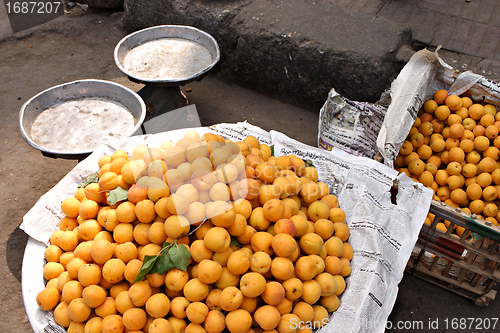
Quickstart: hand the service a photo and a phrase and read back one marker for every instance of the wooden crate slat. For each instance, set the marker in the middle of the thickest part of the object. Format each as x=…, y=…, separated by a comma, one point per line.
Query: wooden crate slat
x=469, y=246
x=478, y=289
x=471, y=268
x=474, y=267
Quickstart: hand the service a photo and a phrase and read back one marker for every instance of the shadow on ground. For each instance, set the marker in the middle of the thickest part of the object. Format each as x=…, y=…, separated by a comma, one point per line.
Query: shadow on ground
x=15, y=252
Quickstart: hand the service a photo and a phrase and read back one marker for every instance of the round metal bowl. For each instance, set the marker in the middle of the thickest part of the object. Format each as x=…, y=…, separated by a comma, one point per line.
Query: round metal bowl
x=166, y=31
x=75, y=90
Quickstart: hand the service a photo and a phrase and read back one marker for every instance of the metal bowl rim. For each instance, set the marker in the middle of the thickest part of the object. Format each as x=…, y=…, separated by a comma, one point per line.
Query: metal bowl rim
x=177, y=81
x=28, y=139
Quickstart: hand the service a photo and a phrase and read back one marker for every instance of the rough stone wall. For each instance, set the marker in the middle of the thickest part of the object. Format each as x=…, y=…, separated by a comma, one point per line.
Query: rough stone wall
x=294, y=50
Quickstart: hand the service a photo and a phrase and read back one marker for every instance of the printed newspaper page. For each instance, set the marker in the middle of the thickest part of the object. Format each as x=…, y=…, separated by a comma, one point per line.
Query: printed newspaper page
x=349, y=125
x=382, y=233
x=479, y=88
x=408, y=93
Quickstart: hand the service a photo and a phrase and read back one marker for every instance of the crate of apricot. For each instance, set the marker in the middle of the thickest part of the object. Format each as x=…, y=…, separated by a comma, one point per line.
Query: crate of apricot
x=199, y=235
x=453, y=149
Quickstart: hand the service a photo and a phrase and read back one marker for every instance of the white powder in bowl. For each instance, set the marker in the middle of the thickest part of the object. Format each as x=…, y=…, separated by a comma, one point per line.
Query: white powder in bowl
x=81, y=124
x=167, y=59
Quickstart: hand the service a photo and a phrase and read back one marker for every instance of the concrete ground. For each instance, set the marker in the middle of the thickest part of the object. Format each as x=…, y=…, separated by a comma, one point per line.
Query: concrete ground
x=81, y=47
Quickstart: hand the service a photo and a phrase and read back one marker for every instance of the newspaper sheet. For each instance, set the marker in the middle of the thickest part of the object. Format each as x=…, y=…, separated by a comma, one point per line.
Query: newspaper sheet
x=479, y=88
x=349, y=125
x=383, y=233
x=423, y=73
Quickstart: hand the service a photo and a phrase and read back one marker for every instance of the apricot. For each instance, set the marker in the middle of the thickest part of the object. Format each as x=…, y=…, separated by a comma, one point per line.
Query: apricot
x=230, y=298
x=416, y=166
x=310, y=192
x=284, y=226
x=238, y=321
x=48, y=298
x=222, y=214
x=196, y=312
x=123, y=302
x=252, y=284
x=484, y=179
x=492, y=152
x=139, y=293
x=195, y=290
x=217, y=239
x=284, y=245
x=274, y=293
x=94, y=295
x=260, y=262
x=425, y=128
x=430, y=106
x=311, y=243
x=440, y=96
x=454, y=168
x=282, y=268
x=490, y=193
x=454, y=102
x=176, y=279
x=107, y=308
x=490, y=210
x=246, y=236
x=112, y=323
x=178, y=307
x=176, y=225
x=93, y=325
x=61, y=315
x=346, y=267
x=273, y=209
x=442, y=112
x=215, y=321
x=487, y=164
x=78, y=311
x=222, y=257
x=417, y=139
x=306, y=268
x=209, y=271
x=289, y=323
x=301, y=224
x=238, y=263
x=160, y=325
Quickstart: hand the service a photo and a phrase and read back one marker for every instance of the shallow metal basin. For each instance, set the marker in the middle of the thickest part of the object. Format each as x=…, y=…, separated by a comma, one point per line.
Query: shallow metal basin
x=75, y=90
x=166, y=31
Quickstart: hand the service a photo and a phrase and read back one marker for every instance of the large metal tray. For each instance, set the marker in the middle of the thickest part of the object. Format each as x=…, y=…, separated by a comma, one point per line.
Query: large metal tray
x=75, y=90
x=166, y=31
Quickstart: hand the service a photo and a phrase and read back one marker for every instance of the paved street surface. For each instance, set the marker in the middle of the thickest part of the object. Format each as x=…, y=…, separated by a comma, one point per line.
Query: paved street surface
x=468, y=31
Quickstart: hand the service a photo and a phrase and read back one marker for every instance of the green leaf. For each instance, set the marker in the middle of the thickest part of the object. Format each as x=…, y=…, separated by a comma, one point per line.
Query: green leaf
x=147, y=266
x=117, y=195
x=272, y=150
x=185, y=258
x=180, y=257
x=164, y=264
x=234, y=241
x=92, y=178
x=309, y=163
x=165, y=248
